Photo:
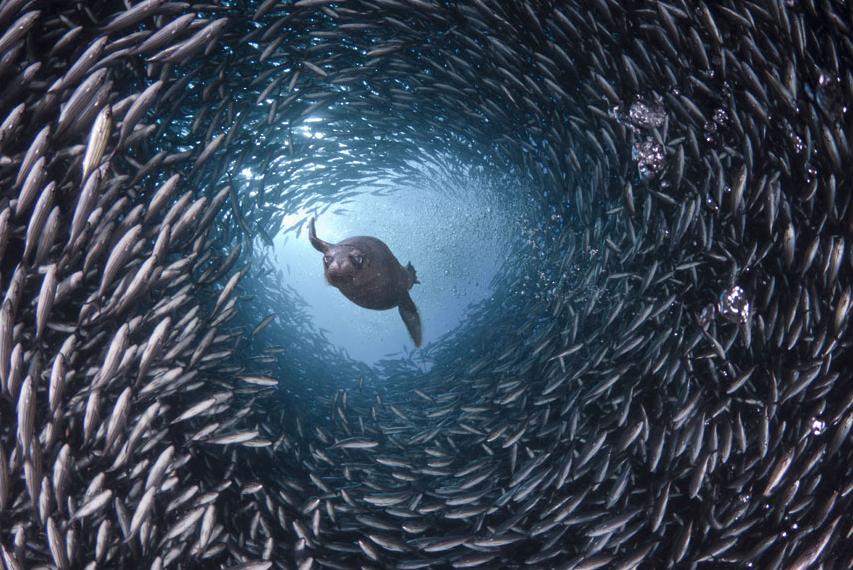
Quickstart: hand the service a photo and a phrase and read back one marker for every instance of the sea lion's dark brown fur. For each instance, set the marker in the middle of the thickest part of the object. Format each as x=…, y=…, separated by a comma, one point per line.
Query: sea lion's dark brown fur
x=368, y=274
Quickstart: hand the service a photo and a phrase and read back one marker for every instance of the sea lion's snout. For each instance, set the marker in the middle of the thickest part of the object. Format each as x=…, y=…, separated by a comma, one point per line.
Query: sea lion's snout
x=338, y=276
x=339, y=269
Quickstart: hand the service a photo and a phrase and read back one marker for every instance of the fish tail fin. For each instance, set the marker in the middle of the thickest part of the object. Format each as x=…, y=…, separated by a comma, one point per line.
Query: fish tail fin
x=412, y=273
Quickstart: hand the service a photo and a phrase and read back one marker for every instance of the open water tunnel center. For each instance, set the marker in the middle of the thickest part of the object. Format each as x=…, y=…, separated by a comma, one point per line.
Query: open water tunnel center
x=439, y=284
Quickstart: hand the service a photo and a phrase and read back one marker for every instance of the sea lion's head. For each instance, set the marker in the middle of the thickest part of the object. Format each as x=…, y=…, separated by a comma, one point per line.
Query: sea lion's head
x=343, y=265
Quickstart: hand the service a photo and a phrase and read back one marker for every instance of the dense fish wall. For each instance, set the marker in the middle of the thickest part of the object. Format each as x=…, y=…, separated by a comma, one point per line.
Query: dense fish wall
x=660, y=381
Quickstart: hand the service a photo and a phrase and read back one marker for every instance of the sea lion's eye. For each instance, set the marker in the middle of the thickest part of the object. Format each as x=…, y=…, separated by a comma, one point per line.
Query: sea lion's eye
x=327, y=259
x=357, y=260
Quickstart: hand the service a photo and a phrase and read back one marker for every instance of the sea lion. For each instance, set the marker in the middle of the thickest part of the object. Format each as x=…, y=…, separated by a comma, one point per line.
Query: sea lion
x=367, y=273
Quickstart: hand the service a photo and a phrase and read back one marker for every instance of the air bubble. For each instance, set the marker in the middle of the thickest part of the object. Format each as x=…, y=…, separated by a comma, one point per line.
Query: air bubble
x=649, y=156
x=734, y=306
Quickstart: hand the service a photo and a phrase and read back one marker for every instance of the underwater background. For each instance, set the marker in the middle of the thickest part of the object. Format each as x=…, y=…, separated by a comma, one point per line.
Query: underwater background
x=631, y=223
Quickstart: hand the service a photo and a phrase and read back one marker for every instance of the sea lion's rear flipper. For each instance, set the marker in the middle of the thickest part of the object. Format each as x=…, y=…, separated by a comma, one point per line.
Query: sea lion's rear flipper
x=409, y=312
x=318, y=244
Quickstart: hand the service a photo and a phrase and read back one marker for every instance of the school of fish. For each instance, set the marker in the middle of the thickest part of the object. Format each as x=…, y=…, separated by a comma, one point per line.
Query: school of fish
x=660, y=380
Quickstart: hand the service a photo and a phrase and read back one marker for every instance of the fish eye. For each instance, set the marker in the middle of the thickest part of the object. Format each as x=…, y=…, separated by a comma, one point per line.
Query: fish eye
x=357, y=259
x=327, y=259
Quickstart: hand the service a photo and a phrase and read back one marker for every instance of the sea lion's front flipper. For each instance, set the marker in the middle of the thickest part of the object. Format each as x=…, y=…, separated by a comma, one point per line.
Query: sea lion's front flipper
x=318, y=244
x=409, y=312
x=413, y=275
